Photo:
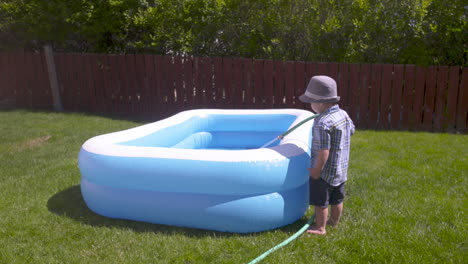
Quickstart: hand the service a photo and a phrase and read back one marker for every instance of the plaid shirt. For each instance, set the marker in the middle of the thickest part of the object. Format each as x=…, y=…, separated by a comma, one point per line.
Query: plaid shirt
x=332, y=130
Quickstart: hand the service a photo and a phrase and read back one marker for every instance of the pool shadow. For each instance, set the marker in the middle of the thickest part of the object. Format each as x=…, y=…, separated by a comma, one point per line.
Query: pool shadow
x=69, y=203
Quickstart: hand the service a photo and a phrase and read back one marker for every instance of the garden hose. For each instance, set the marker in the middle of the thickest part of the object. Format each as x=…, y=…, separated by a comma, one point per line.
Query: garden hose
x=289, y=131
x=285, y=242
x=311, y=219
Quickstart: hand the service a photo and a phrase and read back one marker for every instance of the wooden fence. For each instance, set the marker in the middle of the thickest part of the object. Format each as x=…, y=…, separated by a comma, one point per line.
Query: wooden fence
x=151, y=87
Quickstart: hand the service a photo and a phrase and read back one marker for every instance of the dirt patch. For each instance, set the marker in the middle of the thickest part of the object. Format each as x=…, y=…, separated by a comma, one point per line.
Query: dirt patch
x=36, y=142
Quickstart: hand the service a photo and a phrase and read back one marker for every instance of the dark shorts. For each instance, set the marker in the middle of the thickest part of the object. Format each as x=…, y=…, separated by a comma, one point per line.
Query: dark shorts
x=322, y=194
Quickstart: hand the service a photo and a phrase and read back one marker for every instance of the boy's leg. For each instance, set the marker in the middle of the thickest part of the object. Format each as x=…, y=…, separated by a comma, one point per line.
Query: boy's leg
x=319, y=198
x=335, y=216
x=336, y=202
x=321, y=214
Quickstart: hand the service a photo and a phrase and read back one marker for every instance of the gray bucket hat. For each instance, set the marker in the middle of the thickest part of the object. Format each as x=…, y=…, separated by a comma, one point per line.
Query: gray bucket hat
x=321, y=89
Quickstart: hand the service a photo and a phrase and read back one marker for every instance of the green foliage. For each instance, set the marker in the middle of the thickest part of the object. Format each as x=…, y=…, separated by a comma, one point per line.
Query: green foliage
x=446, y=31
x=406, y=31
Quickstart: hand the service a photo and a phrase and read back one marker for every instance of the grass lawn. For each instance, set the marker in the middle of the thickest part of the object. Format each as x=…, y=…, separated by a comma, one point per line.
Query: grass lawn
x=407, y=203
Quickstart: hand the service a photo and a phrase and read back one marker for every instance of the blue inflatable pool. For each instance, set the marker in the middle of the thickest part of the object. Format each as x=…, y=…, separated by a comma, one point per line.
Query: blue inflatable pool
x=202, y=169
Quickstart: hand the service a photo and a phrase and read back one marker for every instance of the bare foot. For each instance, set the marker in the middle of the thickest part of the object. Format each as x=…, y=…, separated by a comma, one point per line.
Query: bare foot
x=315, y=231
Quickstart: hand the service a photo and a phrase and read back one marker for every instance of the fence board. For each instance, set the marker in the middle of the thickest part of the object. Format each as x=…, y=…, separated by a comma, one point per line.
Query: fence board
x=268, y=83
x=429, y=98
x=188, y=82
x=44, y=83
x=176, y=104
x=179, y=84
x=131, y=90
x=207, y=82
x=145, y=98
x=120, y=81
x=80, y=95
x=69, y=89
x=342, y=80
x=278, y=79
x=3, y=68
x=15, y=61
x=5, y=88
x=167, y=86
x=247, y=86
x=19, y=82
x=364, y=95
x=211, y=94
x=236, y=86
x=59, y=64
x=322, y=69
x=335, y=70
x=374, y=93
x=197, y=77
x=218, y=82
x=462, y=105
x=29, y=79
x=311, y=70
x=300, y=82
x=259, y=92
x=207, y=95
x=408, y=98
x=353, y=91
x=199, y=82
x=10, y=74
x=441, y=97
x=289, y=84
x=130, y=84
x=96, y=81
x=9, y=77
x=140, y=102
x=385, y=96
x=40, y=90
x=452, y=94
x=159, y=88
x=113, y=80
x=32, y=92
x=106, y=82
x=85, y=86
x=88, y=86
x=418, y=106
x=231, y=80
x=36, y=90
x=397, y=94
x=149, y=91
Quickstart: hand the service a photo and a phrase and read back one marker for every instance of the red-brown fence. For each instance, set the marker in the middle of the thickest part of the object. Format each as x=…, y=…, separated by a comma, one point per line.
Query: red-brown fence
x=376, y=96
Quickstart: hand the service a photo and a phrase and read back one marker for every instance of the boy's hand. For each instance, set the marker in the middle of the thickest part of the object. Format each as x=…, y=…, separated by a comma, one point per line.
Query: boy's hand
x=314, y=173
x=322, y=157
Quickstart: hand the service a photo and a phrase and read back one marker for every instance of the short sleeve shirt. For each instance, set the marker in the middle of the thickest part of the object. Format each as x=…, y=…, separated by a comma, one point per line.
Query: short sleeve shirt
x=332, y=130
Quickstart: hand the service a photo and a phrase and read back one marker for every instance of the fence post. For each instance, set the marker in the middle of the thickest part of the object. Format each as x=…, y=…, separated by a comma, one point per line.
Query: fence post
x=49, y=56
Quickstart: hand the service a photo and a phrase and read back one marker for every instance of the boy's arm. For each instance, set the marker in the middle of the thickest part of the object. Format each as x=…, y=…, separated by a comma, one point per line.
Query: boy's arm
x=322, y=157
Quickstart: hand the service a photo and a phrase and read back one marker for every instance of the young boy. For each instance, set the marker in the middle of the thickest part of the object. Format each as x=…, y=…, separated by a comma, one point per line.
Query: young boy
x=331, y=136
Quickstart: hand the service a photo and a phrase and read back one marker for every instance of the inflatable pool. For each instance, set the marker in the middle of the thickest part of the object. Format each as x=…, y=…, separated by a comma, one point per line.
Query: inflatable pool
x=202, y=169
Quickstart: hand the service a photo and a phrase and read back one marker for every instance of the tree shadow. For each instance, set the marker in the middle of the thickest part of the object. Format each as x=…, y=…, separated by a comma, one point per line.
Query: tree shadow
x=69, y=203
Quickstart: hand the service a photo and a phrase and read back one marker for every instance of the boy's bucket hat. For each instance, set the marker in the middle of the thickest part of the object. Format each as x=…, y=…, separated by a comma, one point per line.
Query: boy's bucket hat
x=321, y=89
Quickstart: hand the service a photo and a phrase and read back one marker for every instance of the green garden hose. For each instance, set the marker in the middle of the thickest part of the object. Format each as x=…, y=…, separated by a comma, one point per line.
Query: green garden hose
x=309, y=222
x=296, y=126
x=289, y=131
x=285, y=242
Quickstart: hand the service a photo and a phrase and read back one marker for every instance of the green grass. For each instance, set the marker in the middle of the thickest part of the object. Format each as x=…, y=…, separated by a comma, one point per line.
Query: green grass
x=407, y=203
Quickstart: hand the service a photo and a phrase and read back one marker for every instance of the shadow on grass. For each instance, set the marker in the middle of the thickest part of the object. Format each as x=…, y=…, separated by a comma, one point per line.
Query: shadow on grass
x=70, y=203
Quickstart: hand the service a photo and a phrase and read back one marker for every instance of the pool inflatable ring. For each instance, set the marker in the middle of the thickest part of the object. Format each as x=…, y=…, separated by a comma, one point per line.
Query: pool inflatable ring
x=202, y=169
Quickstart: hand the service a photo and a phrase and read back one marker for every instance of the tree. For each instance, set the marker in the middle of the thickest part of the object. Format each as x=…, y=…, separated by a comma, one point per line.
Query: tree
x=386, y=31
